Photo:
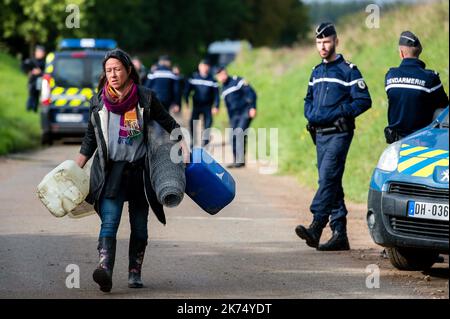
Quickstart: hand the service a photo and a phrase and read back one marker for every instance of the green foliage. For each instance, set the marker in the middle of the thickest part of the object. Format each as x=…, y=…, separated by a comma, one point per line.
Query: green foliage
x=178, y=27
x=274, y=22
x=34, y=21
x=281, y=76
x=18, y=129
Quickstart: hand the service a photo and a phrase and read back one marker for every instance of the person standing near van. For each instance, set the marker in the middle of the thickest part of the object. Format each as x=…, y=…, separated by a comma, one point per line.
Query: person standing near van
x=118, y=133
x=34, y=67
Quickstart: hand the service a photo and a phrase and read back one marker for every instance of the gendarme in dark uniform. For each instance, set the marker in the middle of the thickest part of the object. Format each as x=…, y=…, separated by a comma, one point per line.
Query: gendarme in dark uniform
x=337, y=94
x=37, y=62
x=414, y=93
x=206, y=96
x=240, y=99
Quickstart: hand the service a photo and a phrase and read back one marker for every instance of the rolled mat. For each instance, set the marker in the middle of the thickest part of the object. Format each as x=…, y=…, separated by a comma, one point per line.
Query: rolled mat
x=168, y=178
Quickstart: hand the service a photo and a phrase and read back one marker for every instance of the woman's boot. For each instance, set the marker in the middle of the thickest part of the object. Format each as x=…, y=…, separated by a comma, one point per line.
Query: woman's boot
x=107, y=254
x=136, y=258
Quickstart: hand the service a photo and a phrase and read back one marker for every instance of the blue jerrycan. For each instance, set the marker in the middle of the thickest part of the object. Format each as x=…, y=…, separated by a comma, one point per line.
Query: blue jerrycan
x=208, y=183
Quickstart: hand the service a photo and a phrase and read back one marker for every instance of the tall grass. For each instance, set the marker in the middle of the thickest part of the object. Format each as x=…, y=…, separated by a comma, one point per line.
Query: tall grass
x=19, y=129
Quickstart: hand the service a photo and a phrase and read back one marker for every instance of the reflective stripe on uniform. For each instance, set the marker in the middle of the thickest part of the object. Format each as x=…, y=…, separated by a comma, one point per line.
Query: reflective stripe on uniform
x=203, y=82
x=233, y=88
x=334, y=80
x=162, y=74
x=412, y=87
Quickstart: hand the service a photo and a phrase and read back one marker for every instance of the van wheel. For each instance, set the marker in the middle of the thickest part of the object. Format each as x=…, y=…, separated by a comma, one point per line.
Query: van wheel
x=411, y=259
x=46, y=139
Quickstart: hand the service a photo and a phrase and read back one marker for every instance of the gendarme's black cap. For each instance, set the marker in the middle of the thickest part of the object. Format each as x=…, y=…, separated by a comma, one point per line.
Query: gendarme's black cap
x=220, y=69
x=325, y=29
x=408, y=39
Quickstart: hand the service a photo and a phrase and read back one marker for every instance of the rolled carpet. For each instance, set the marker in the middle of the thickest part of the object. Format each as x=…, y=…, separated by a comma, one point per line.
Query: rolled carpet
x=168, y=178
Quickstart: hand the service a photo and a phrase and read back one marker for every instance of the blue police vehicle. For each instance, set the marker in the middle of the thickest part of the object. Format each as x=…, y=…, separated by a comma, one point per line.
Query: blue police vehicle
x=408, y=204
x=70, y=79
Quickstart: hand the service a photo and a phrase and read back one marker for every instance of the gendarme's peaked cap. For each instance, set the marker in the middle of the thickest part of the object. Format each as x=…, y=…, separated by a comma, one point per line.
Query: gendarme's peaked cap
x=325, y=29
x=408, y=39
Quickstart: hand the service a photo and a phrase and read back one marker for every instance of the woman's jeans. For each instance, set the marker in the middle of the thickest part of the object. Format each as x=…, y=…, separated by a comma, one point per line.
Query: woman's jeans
x=111, y=212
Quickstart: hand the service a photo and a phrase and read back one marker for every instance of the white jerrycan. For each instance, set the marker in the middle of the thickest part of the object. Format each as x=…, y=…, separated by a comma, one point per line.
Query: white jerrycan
x=64, y=189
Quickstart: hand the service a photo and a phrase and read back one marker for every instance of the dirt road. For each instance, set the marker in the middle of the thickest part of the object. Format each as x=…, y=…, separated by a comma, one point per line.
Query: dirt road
x=248, y=250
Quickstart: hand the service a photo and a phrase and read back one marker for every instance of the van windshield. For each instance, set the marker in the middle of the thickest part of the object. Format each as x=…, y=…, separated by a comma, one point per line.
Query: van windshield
x=74, y=72
x=97, y=69
x=69, y=72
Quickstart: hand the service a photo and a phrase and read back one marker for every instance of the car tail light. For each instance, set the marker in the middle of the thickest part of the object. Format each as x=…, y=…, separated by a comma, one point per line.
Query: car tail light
x=46, y=90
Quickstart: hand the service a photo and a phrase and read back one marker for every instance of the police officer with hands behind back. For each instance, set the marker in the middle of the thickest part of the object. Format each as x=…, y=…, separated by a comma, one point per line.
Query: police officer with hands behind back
x=336, y=95
x=414, y=93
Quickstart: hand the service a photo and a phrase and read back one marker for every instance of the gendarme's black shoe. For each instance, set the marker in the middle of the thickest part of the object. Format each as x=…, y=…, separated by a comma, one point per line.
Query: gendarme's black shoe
x=338, y=242
x=311, y=234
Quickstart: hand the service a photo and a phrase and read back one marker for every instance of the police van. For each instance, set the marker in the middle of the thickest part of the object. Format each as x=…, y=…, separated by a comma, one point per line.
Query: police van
x=408, y=207
x=70, y=79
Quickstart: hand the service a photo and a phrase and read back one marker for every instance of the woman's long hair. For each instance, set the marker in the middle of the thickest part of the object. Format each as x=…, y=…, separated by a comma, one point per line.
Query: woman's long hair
x=125, y=59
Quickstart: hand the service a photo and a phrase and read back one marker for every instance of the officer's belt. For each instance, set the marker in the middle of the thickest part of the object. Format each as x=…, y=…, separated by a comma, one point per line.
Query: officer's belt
x=324, y=130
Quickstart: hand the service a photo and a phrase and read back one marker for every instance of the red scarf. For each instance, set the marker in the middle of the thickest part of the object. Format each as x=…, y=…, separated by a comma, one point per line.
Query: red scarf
x=125, y=105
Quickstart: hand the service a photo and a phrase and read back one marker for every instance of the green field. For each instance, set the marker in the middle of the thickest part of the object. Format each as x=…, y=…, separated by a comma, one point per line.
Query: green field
x=19, y=129
x=281, y=76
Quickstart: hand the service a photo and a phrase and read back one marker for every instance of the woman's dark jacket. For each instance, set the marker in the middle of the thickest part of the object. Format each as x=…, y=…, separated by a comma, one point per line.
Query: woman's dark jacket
x=96, y=139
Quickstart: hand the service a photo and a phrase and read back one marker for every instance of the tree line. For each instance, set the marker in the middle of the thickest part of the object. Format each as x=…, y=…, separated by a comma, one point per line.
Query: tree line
x=177, y=27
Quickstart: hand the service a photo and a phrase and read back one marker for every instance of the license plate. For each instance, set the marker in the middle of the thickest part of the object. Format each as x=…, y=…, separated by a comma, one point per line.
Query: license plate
x=428, y=210
x=66, y=118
